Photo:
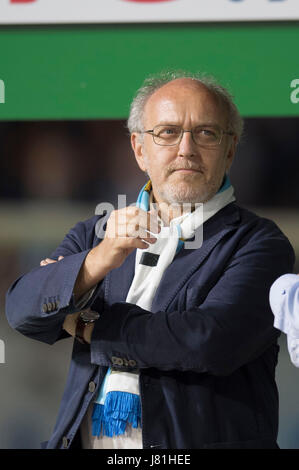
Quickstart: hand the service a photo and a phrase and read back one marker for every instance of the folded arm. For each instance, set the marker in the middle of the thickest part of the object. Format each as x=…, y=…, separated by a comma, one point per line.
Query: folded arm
x=231, y=327
x=38, y=302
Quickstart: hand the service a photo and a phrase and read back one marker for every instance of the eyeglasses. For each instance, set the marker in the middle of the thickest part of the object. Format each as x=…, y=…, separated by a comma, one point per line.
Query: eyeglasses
x=206, y=136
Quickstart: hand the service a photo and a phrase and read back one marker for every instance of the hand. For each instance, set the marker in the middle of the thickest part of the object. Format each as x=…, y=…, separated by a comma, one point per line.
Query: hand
x=70, y=322
x=127, y=229
x=46, y=261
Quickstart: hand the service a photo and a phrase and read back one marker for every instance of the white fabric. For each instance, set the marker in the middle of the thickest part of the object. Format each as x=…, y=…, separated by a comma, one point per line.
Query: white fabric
x=143, y=288
x=124, y=382
x=147, y=278
x=284, y=301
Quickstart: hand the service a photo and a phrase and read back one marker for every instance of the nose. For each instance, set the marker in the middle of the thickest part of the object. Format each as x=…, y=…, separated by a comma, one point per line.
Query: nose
x=187, y=145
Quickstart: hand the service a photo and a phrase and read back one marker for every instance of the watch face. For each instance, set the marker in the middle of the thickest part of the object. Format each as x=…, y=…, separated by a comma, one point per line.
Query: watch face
x=89, y=315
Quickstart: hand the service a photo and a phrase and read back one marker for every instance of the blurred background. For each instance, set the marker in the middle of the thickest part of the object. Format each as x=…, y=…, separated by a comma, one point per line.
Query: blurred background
x=53, y=174
x=64, y=148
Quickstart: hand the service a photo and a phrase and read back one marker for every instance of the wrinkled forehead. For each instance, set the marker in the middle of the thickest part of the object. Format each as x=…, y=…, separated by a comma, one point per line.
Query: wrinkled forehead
x=184, y=100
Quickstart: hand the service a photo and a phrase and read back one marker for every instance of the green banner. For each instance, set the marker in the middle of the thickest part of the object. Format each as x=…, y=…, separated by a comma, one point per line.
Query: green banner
x=92, y=72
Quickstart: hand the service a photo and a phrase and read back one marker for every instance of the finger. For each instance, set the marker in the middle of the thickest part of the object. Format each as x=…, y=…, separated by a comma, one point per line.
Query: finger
x=138, y=232
x=152, y=223
x=138, y=243
x=49, y=260
x=148, y=220
x=142, y=245
x=144, y=225
x=46, y=261
x=132, y=222
x=132, y=232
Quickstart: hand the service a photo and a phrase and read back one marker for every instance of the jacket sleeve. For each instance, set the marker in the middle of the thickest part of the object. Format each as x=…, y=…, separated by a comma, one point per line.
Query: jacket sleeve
x=231, y=327
x=38, y=302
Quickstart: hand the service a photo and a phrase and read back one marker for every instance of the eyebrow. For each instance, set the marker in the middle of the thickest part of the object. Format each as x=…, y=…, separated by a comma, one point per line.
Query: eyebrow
x=204, y=124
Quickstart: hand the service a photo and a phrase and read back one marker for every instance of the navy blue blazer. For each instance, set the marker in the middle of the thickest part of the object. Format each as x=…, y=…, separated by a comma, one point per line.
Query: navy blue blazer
x=206, y=352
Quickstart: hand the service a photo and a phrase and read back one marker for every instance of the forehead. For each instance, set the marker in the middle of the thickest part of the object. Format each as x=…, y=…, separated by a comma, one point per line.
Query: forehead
x=184, y=100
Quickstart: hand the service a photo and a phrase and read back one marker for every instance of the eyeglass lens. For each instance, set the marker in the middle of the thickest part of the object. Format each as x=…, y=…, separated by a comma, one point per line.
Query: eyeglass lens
x=171, y=135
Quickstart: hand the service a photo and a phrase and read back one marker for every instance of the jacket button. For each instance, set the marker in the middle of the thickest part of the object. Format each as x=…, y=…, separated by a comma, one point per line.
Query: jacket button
x=91, y=387
x=132, y=363
x=45, y=308
x=65, y=442
x=117, y=361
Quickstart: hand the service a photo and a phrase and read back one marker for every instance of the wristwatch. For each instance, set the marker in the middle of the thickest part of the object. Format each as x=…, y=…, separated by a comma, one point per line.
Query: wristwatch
x=86, y=316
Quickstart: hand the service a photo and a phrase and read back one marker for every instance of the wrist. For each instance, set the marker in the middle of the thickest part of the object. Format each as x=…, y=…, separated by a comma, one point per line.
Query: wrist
x=69, y=324
x=89, y=275
x=103, y=252
x=84, y=325
x=96, y=264
x=88, y=332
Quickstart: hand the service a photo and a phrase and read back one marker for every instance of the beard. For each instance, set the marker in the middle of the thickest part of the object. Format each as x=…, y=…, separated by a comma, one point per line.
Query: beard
x=187, y=188
x=182, y=192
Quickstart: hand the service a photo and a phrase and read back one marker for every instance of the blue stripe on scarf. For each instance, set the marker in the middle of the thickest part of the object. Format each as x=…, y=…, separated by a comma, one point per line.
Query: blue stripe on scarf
x=120, y=409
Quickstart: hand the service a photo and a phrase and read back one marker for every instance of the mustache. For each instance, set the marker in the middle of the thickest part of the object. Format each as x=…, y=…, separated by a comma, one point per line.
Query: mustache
x=185, y=167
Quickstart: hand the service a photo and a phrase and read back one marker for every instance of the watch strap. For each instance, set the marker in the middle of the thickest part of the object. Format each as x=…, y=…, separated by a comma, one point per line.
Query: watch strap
x=79, y=333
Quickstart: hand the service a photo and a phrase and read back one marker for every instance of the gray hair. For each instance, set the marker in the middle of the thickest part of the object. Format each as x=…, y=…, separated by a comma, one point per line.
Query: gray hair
x=153, y=83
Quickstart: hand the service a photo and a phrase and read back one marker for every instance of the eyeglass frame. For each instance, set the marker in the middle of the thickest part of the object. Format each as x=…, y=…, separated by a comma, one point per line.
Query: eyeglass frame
x=151, y=132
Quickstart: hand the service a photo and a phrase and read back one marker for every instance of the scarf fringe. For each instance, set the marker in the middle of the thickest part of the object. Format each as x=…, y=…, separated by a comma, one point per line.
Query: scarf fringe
x=120, y=409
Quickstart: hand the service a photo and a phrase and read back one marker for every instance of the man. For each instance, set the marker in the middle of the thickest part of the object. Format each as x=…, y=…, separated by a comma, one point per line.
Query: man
x=284, y=301
x=180, y=350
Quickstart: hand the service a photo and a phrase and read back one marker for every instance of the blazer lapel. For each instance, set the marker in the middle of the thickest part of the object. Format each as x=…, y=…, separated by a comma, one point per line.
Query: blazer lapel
x=188, y=261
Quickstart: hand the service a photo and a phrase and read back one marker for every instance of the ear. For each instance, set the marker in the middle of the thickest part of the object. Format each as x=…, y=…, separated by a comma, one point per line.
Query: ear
x=231, y=152
x=137, y=147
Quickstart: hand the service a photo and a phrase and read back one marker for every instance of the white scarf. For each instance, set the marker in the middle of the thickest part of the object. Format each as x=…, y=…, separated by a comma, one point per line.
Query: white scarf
x=147, y=278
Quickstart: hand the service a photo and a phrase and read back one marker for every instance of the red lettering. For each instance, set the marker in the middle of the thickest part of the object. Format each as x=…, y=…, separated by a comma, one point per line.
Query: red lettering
x=148, y=1
x=22, y=1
